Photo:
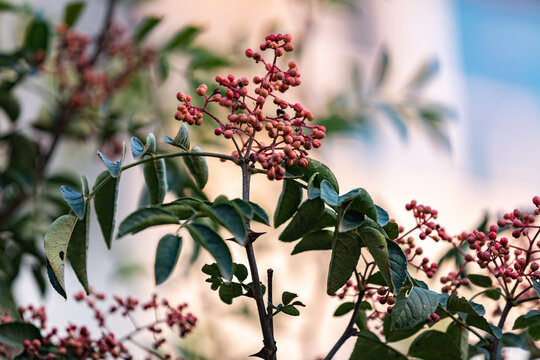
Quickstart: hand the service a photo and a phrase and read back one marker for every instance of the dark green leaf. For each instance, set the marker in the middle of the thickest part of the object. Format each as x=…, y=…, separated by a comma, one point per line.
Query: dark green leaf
x=167, y=253
x=290, y=310
x=54, y=281
x=392, y=230
x=532, y=318
x=144, y=218
x=37, y=35
x=480, y=280
x=78, y=249
x=369, y=347
x=144, y=27
x=393, y=335
x=10, y=105
x=56, y=245
x=382, y=216
x=244, y=207
x=74, y=199
x=460, y=304
x=313, y=167
x=361, y=202
x=197, y=167
x=241, y=272
x=434, y=345
x=105, y=204
x=163, y=67
x=211, y=269
x=259, y=214
x=460, y=337
x=483, y=324
x=204, y=59
x=317, y=240
x=228, y=216
x=289, y=200
x=345, y=255
x=398, y=265
x=344, y=308
x=14, y=333
x=328, y=194
x=72, y=12
x=494, y=294
x=212, y=242
x=182, y=39
x=155, y=175
x=513, y=340
x=413, y=309
x=287, y=297
x=536, y=286
x=304, y=220
x=381, y=72
x=378, y=247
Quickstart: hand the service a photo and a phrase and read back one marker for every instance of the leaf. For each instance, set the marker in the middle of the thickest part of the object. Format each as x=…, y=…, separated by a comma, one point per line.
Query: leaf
x=259, y=214
x=460, y=337
x=313, y=167
x=493, y=294
x=482, y=324
x=361, y=202
x=328, y=194
x=289, y=200
x=228, y=216
x=317, y=240
x=381, y=70
x=369, y=347
x=240, y=271
x=105, y=200
x=74, y=199
x=378, y=248
x=290, y=310
x=345, y=255
x=227, y=292
x=513, y=340
x=145, y=218
x=426, y=71
x=204, y=59
x=480, y=280
x=10, y=105
x=56, y=245
x=396, y=117
x=532, y=318
x=536, y=286
x=393, y=335
x=54, y=281
x=182, y=39
x=78, y=249
x=114, y=167
x=197, y=167
x=304, y=220
x=163, y=67
x=382, y=216
x=145, y=26
x=181, y=139
x=398, y=265
x=392, y=230
x=137, y=147
x=212, y=242
x=14, y=333
x=37, y=35
x=287, y=297
x=344, y=308
x=414, y=309
x=460, y=304
x=155, y=175
x=434, y=345
x=72, y=12
x=167, y=253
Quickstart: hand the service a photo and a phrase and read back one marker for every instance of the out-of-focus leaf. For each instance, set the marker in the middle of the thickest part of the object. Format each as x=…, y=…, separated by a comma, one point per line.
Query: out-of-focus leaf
x=14, y=333
x=10, y=105
x=381, y=70
x=182, y=39
x=145, y=26
x=72, y=12
x=424, y=74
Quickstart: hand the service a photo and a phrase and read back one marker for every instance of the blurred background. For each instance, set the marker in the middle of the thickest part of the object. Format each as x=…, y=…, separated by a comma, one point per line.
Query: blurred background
x=436, y=101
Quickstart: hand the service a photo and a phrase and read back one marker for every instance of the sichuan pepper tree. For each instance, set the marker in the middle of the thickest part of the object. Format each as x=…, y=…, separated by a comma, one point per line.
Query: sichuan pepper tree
x=373, y=261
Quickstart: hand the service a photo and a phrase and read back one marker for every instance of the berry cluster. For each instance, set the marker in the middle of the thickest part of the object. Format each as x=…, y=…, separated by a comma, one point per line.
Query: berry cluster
x=77, y=341
x=289, y=136
x=80, y=81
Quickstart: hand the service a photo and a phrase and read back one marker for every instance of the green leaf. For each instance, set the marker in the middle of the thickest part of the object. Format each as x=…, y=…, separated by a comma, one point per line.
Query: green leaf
x=313, y=167
x=351, y=220
x=513, y=340
x=398, y=265
x=56, y=245
x=382, y=216
x=227, y=215
x=14, y=333
x=480, y=280
x=369, y=347
x=78, y=249
x=72, y=12
x=290, y=310
x=482, y=324
x=144, y=218
x=378, y=247
x=167, y=253
x=425, y=73
x=182, y=39
x=414, y=309
x=105, y=202
x=345, y=255
x=145, y=26
x=317, y=240
x=10, y=105
x=197, y=167
x=532, y=318
x=37, y=35
x=328, y=194
x=494, y=294
x=313, y=184
x=392, y=230
x=181, y=139
x=460, y=337
x=382, y=69
x=536, y=286
x=361, y=202
x=304, y=220
x=241, y=272
x=212, y=242
x=287, y=297
x=163, y=67
x=244, y=207
x=344, y=308
x=74, y=199
x=203, y=59
x=393, y=335
x=289, y=200
x=460, y=304
x=155, y=175
x=434, y=345
x=259, y=214
x=54, y=281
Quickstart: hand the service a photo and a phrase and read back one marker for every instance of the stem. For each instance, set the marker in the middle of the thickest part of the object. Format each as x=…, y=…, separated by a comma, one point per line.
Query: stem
x=494, y=348
x=269, y=349
x=269, y=275
x=461, y=323
x=350, y=329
